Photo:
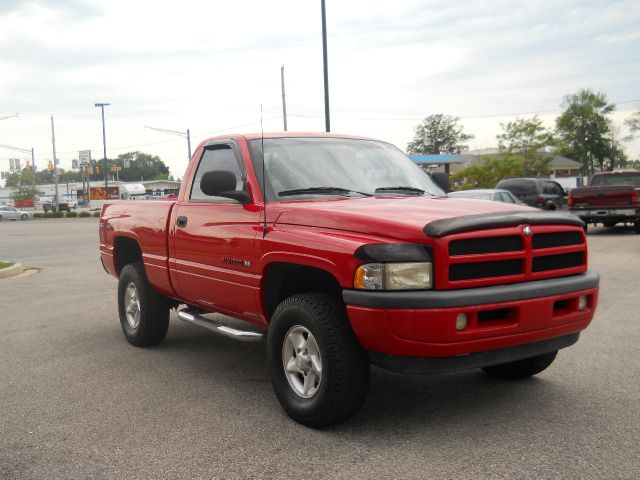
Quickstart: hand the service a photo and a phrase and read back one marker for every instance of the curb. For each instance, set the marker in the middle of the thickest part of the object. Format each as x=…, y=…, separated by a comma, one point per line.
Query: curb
x=13, y=270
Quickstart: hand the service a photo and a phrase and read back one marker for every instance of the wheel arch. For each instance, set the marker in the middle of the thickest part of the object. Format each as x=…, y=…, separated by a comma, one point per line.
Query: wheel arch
x=126, y=250
x=284, y=279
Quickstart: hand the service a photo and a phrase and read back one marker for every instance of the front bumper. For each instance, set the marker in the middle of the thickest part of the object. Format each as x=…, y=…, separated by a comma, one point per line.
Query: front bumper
x=423, y=324
x=458, y=363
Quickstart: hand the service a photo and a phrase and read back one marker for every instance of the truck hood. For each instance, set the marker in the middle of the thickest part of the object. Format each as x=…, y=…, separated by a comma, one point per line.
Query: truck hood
x=396, y=217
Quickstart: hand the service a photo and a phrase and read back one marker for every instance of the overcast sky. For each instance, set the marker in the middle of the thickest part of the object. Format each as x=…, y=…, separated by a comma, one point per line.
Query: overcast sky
x=208, y=66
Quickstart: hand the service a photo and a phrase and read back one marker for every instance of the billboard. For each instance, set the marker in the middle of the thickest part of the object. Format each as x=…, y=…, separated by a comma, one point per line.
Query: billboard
x=97, y=193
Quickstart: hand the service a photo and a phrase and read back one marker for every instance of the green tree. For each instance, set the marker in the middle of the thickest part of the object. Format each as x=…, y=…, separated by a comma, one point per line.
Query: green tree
x=70, y=176
x=633, y=122
x=489, y=172
x=142, y=166
x=585, y=132
x=438, y=134
x=23, y=181
x=526, y=137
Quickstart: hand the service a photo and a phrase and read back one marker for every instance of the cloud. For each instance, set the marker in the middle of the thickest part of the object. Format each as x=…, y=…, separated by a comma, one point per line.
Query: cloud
x=208, y=66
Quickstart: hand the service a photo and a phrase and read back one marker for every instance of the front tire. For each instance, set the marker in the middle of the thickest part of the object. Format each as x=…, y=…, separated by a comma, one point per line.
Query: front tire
x=24, y=217
x=524, y=368
x=144, y=315
x=319, y=371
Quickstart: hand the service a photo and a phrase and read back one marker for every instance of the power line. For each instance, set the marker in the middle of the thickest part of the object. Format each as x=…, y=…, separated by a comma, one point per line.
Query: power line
x=462, y=117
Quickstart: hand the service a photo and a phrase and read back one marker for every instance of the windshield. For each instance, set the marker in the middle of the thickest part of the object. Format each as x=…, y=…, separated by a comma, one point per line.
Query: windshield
x=631, y=179
x=336, y=166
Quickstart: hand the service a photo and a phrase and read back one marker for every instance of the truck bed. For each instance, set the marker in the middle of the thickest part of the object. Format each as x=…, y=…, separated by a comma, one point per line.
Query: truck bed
x=147, y=222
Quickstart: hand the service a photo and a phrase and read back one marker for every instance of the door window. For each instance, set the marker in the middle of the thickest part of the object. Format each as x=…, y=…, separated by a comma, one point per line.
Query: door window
x=504, y=197
x=218, y=157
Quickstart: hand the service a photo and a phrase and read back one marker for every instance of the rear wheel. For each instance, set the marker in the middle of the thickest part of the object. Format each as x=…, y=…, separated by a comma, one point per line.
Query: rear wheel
x=636, y=227
x=24, y=216
x=144, y=315
x=0, y=218
x=319, y=371
x=524, y=368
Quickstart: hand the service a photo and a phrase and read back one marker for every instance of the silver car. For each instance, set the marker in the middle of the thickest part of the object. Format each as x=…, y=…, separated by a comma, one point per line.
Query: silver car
x=11, y=213
x=494, y=194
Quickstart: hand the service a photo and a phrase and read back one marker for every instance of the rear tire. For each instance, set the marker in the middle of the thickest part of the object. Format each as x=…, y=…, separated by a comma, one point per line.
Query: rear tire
x=144, y=315
x=24, y=217
x=524, y=368
x=319, y=371
x=636, y=227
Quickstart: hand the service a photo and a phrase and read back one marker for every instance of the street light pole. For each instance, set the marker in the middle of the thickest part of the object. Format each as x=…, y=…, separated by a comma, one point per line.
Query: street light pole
x=186, y=135
x=326, y=69
x=284, y=103
x=10, y=116
x=104, y=145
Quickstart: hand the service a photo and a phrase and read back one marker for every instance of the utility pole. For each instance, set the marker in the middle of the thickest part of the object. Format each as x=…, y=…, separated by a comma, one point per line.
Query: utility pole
x=33, y=177
x=326, y=68
x=186, y=135
x=55, y=165
x=284, y=103
x=104, y=144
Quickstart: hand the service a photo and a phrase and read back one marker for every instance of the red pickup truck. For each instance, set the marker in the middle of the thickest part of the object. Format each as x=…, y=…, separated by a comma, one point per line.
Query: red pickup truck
x=342, y=253
x=611, y=198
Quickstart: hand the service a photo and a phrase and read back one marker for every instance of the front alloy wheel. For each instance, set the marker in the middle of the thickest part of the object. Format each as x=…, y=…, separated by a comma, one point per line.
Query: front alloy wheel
x=302, y=361
x=319, y=371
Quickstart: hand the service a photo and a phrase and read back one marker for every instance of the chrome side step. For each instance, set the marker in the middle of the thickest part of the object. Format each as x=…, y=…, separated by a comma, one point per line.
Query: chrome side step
x=219, y=327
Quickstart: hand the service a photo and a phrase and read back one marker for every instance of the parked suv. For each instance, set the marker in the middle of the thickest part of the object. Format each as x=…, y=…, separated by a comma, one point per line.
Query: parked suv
x=536, y=192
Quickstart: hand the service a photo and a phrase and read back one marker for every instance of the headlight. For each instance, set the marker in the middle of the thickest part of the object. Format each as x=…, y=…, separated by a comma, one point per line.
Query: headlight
x=394, y=276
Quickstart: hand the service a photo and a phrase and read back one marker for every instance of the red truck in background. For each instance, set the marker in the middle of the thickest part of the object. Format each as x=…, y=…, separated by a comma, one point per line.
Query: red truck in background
x=342, y=253
x=611, y=198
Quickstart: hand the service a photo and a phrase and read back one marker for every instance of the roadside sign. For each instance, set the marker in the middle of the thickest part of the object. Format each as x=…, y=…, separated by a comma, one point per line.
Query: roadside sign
x=84, y=157
x=74, y=164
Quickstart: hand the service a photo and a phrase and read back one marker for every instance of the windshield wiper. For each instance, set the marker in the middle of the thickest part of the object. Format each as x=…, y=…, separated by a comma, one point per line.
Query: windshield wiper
x=320, y=191
x=411, y=190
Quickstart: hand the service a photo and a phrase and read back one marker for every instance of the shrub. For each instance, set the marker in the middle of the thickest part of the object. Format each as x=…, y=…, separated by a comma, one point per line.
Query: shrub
x=84, y=214
x=96, y=214
x=38, y=215
x=71, y=214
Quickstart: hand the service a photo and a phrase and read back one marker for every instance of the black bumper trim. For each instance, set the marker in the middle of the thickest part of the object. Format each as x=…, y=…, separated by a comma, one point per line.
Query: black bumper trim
x=472, y=296
x=429, y=365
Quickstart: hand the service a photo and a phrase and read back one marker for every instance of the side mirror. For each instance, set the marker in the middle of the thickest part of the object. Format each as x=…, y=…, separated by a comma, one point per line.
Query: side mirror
x=442, y=180
x=222, y=183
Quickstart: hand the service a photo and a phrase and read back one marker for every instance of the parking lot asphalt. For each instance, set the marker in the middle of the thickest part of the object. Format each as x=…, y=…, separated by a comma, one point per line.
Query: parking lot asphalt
x=77, y=401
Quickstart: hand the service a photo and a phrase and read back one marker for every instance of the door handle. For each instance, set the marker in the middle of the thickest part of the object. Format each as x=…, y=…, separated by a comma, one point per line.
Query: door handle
x=181, y=221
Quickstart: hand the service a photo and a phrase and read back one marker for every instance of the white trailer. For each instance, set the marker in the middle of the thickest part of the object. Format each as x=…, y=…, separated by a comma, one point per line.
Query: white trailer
x=132, y=191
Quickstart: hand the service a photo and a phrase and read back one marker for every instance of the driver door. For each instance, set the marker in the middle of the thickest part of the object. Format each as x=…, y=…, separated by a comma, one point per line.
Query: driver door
x=214, y=240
